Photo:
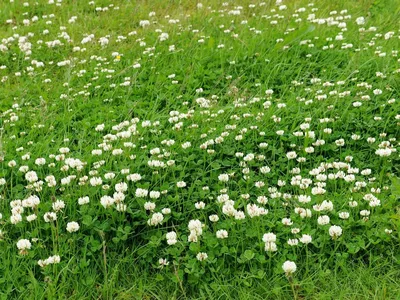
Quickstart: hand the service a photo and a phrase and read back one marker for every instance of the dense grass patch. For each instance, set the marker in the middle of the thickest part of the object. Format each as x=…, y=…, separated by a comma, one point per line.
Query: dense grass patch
x=185, y=150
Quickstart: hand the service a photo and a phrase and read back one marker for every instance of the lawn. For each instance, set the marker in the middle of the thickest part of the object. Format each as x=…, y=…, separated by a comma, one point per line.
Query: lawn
x=173, y=149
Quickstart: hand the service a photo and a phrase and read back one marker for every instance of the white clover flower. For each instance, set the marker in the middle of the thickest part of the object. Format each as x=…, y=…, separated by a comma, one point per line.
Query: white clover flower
x=154, y=194
x=291, y=155
x=180, y=184
x=305, y=239
x=377, y=92
x=366, y=172
x=55, y=259
x=213, y=218
x=196, y=226
x=239, y=215
x=262, y=199
x=200, y=205
x=141, y=193
x=64, y=150
x=144, y=23
x=32, y=201
x=31, y=217
x=259, y=184
x=124, y=171
x=222, y=234
x=353, y=204
x=50, y=217
x=40, y=161
x=109, y=175
x=58, y=205
x=121, y=187
x=17, y=210
x=134, y=177
x=265, y=170
x=117, y=152
x=97, y=152
x=163, y=262
x=383, y=152
x=249, y=157
x=72, y=226
x=95, y=181
x=340, y=142
x=305, y=213
x=323, y=220
x=23, y=246
x=12, y=163
x=107, y=201
x=121, y=207
x=103, y=41
x=166, y=211
x=31, y=176
x=254, y=210
x=375, y=202
x=335, y=231
x=289, y=267
x=269, y=92
x=149, y=206
x=156, y=219
x=365, y=213
x=23, y=169
x=270, y=247
x=222, y=198
x=304, y=199
x=295, y=230
x=201, y=256
x=360, y=21
x=193, y=237
x=26, y=156
x=171, y=238
x=83, y=200
x=186, y=145
x=51, y=181
x=324, y=206
x=171, y=235
x=223, y=177
x=293, y=242
x=15, y=219
x=269, y=237
x=287, y=221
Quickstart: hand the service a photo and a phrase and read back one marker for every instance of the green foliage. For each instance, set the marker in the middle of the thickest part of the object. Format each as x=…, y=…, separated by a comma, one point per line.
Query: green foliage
x=193, y=117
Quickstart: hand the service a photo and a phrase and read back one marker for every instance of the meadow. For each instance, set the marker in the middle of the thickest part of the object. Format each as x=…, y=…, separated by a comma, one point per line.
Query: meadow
x=165, y=149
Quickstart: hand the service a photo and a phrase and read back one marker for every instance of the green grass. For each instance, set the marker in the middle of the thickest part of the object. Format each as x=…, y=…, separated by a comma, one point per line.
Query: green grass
x=204, y=86
x=354, y=281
